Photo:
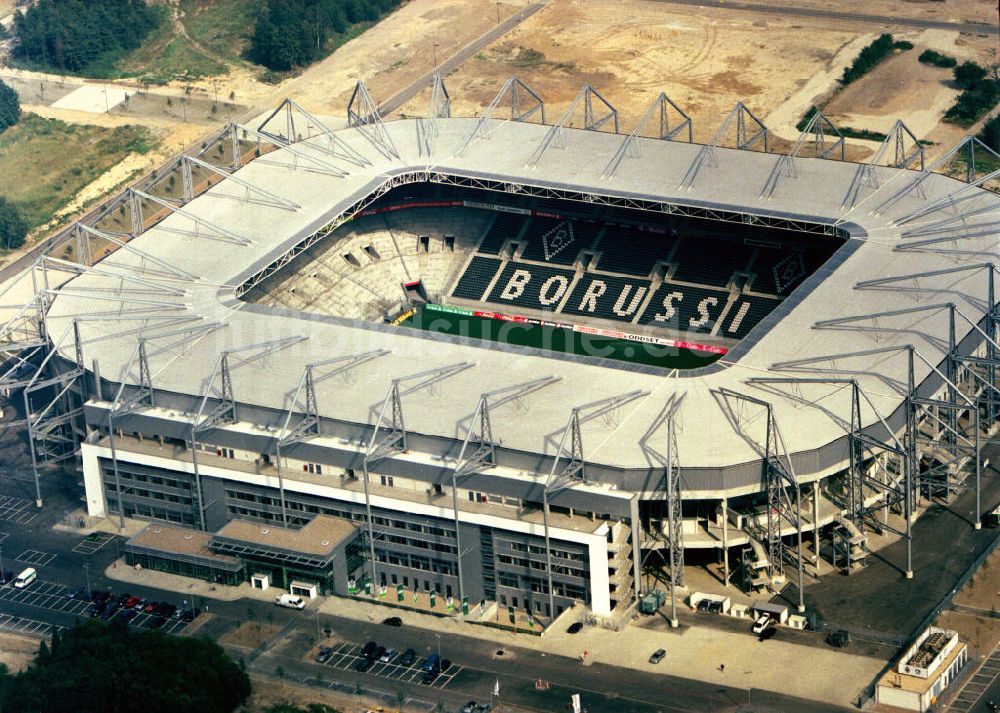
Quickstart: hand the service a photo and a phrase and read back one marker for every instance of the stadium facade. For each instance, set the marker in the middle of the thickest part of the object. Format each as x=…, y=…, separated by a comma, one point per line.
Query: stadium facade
x=853, y=302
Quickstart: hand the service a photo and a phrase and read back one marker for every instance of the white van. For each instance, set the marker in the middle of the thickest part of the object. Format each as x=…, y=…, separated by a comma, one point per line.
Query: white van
x=25, y=578
x=290, y=601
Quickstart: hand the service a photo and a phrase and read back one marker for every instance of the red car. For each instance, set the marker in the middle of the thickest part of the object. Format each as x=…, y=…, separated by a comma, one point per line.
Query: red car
x=131, y=602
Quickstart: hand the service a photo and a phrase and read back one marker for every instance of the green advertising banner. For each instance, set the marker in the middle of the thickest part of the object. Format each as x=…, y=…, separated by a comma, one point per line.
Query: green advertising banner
x=510, y=613
x=399, y=592
x=368, y=587
x=433, y=599
x=465, y=605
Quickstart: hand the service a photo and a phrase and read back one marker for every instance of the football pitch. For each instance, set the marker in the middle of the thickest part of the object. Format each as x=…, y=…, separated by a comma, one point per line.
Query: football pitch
x=552, y=337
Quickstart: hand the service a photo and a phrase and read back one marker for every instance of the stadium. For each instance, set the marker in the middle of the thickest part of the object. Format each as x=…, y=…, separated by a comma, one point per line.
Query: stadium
x=531, y=365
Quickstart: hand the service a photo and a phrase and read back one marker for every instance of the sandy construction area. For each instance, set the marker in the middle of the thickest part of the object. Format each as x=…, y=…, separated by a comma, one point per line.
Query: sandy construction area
x=630, y=50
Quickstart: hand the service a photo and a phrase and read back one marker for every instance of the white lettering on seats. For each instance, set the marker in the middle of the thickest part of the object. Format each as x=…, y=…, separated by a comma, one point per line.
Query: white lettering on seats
x=703, y=315
x=519, y=279
x=637, y=296
x=738, y=319
x=668, y=305
x=594, y=290
x=561, y=283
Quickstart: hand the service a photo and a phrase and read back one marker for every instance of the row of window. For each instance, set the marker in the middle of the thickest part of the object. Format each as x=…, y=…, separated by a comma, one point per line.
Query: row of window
x=110, y=489
x=154, y=480
x=426, y=564
x=147, y=511
x=540, y=550
x=410, y=542
x=539, y=565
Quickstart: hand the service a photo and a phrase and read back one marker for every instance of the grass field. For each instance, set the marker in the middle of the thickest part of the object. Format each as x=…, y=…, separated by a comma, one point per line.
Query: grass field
x=221, y=26
x=45, y=162
x=556, y=339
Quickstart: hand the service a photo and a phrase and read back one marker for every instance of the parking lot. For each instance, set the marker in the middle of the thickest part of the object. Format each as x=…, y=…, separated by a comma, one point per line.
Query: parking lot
x=93, y=543
x=55, y=597
x=17, y=510
x=34, y=557
x=978, y=684
x=345, y=656
x=20, y=625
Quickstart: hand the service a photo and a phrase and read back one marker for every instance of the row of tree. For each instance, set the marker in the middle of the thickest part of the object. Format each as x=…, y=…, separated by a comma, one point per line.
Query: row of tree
x=294, y=33
x=71, y=35
x=98, y=668
x=871, y=55
x=13, y=229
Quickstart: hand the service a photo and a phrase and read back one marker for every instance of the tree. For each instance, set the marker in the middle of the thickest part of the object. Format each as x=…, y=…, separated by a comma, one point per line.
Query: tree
x=990, y=135
x=13, y=229
x=968, y=75
x=97, y=668
x=10, y=107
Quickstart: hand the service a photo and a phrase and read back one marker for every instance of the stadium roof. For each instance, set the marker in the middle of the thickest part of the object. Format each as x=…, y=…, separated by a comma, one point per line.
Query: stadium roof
x=878, y=206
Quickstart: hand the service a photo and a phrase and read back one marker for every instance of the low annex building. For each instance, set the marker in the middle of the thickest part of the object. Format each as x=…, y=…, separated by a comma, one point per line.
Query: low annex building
x=924, y=671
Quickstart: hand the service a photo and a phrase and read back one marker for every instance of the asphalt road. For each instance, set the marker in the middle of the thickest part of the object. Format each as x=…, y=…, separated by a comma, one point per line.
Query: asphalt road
x=973, y=27
x=397, y=100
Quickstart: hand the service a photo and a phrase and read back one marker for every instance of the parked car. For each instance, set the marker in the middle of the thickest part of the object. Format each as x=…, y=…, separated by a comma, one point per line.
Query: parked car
x=470, y=707
x=363, y=664
x=703, y=605
x=100, y=595
x=290, y=601
x=388, y=655
x=377, y=654
x=323, y=655
x=110, y=609
x=762, y=622
x=156, y=622
x=127, y=615
x=408, y=657
x=189, y=615
x=484, y=708
x=393, y=621
x=150, y=607
x=575, y=628
x=140, y=605
x=368, y=649
x=431, y=669
x=97, y=608
x=768, y=632
x=657, y=656
x=131, y=602
x=26, y=577
x=839, y=639
x=165, y=610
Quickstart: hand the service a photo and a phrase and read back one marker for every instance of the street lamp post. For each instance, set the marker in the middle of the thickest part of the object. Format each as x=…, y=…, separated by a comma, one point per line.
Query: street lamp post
x=438, y=636
x=434, y=54
x=748, y=674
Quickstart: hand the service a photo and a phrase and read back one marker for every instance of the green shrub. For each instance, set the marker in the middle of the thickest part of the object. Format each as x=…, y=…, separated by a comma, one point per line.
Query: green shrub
x=868, y=58
x=981, y=93
x=937, y=59
x=10, y=107
x=904, y=45
x=990, y=135
x=13, y=229
x=968, y=75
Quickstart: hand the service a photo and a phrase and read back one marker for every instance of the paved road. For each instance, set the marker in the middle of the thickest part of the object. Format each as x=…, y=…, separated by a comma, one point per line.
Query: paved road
x=982, y=686
x=397, y=100
x=973, y=27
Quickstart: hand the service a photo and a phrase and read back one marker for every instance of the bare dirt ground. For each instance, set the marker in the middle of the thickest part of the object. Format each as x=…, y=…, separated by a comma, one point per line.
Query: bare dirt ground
x=16, y=651
x=630, y=50
x=249, y=634
x=951, y=10
x=981, y=633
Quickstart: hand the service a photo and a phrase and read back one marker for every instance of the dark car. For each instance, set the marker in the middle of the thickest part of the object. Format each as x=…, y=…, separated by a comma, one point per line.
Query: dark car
x=430, y=669
x=575, y=628
x=704, y=605
x=393, y=621
x=368, y=649
x=364, y=664
x=469, y=707
x=156, y=622
x=768, y=633
x=377, y=653
x=127, y=614
x=189, y=615
x=97, y=608
x=99, y=595
x=110, y=610
x=323, y=655
x=408, y=657
x=839, y=639
x=165, y=610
